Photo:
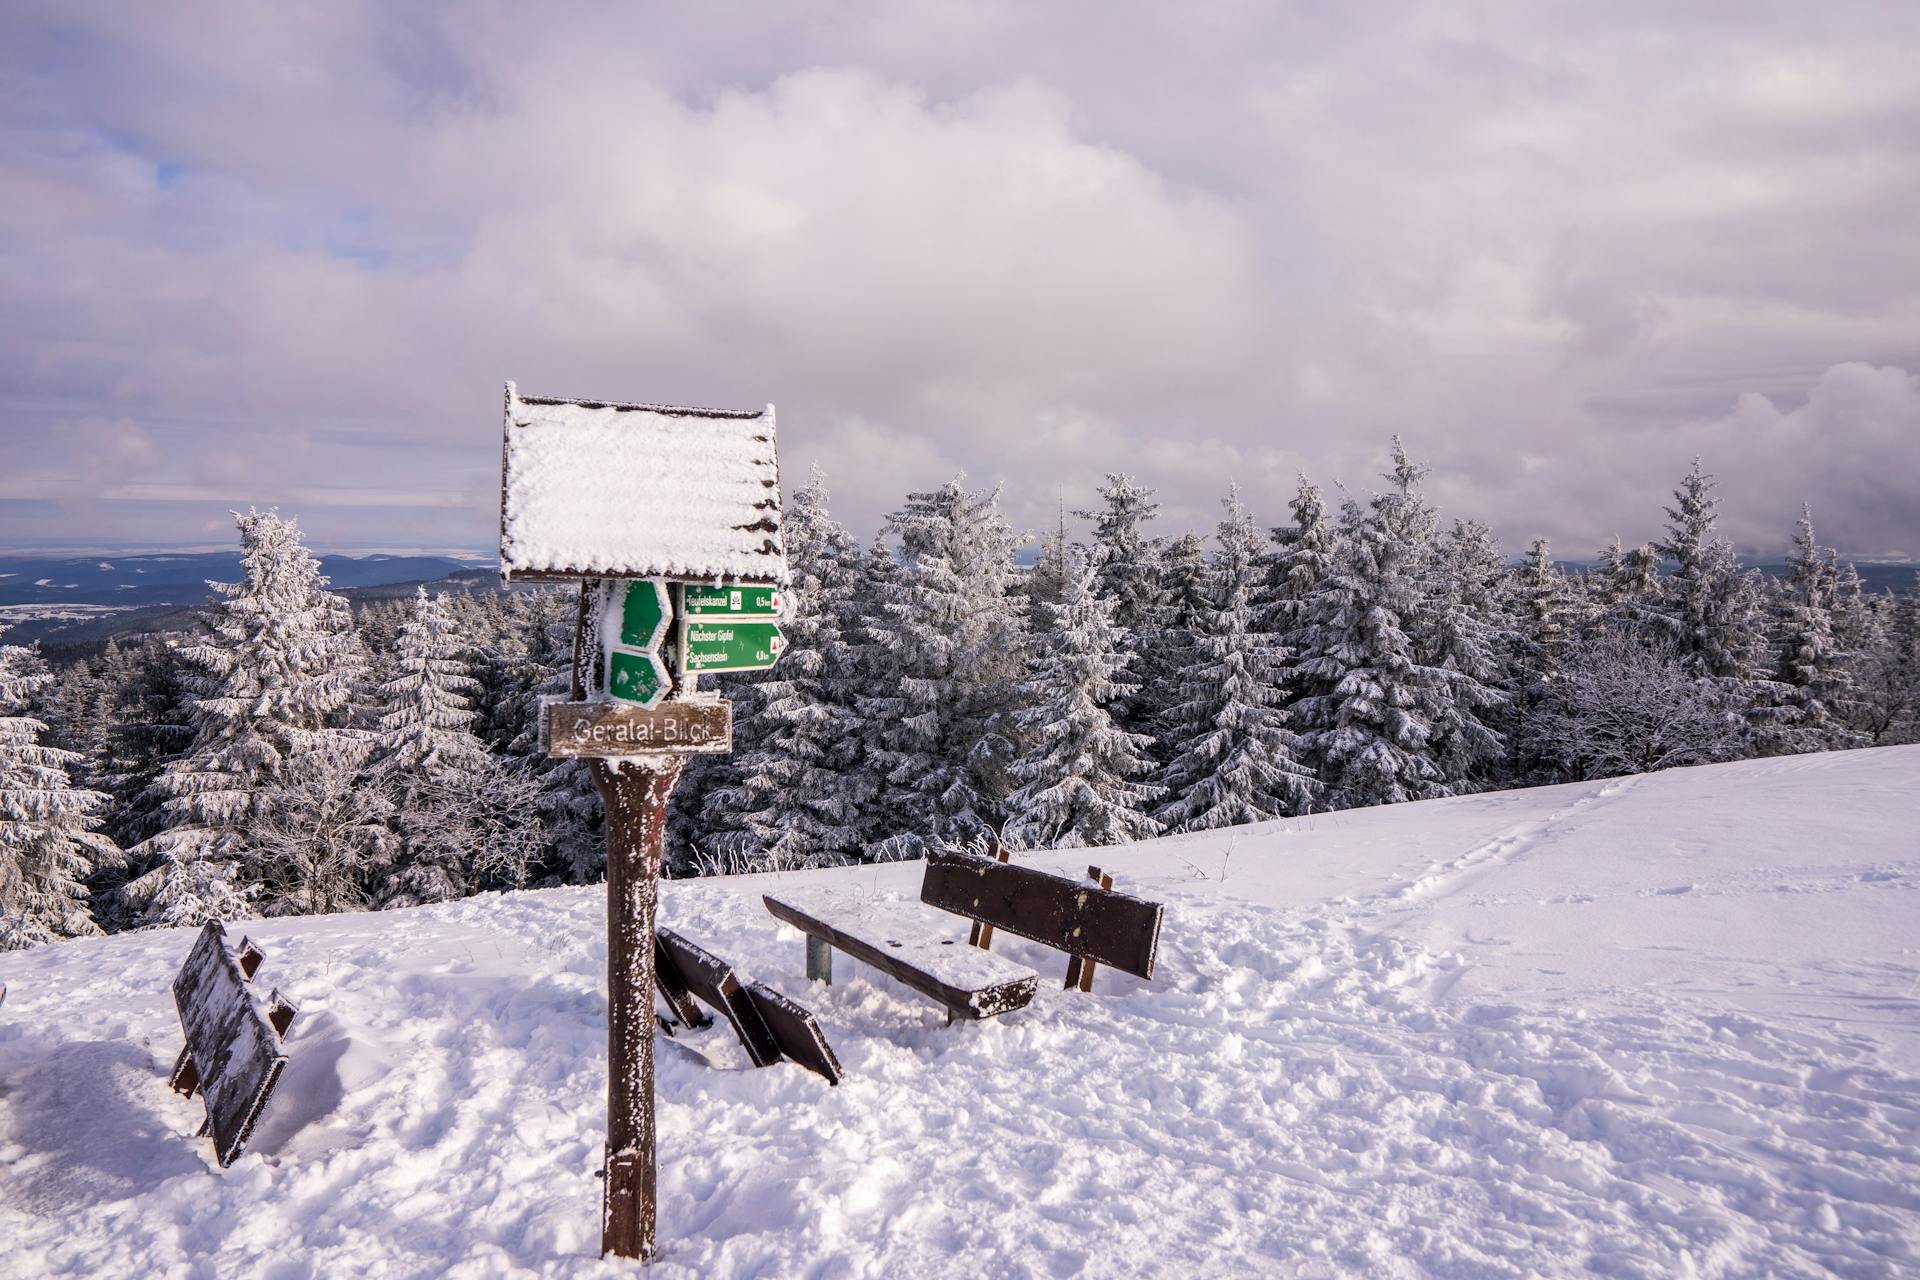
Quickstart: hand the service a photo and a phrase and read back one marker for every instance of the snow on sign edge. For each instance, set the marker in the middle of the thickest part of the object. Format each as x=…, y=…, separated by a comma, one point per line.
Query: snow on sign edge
x=595, y=488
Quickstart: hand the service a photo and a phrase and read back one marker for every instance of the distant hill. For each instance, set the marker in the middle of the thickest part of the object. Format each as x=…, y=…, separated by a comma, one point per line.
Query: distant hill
x=70, y=627
x=182, y=578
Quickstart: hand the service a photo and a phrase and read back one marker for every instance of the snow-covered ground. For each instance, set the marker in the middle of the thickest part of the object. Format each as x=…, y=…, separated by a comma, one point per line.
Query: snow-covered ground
x=1661, y=1026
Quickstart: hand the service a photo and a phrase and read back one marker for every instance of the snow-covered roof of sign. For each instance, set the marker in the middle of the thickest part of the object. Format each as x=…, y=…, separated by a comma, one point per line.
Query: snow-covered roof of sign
x=591, y=488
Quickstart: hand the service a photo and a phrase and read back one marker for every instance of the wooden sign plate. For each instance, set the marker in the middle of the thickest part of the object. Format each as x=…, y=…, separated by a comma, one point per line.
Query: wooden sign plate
x=611, y=730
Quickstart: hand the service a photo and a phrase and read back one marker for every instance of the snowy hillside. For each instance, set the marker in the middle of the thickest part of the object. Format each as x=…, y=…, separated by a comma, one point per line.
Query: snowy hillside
x=1661, y=1026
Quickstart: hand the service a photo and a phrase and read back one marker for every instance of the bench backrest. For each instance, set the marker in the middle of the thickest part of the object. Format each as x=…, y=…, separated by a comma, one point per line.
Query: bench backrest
x=1074, y=916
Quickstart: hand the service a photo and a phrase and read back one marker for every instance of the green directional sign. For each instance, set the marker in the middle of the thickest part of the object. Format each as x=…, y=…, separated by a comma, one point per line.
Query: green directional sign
x=729, y=646
x=732, y=602
x=639, y=678
x=644, y=613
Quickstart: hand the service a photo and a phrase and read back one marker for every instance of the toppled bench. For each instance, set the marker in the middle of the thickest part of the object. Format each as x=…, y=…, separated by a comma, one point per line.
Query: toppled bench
x=233, y=1055
x=769, y=1025
x=1090, y=922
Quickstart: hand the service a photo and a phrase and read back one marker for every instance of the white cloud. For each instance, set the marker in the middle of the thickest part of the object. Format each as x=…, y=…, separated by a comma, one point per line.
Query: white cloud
x=1034, y=242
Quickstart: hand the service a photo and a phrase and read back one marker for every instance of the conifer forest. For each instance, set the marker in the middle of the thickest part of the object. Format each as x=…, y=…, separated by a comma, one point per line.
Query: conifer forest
x=1317, y=651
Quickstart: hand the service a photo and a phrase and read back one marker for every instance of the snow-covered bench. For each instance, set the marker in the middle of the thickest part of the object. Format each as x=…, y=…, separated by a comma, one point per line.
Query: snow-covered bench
x=1090, y=922
x=769, y=1025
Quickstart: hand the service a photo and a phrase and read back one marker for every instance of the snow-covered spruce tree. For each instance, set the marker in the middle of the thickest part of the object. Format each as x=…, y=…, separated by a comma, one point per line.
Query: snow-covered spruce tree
x=1547, y=610
x=1813, y=676
x=872, y=682
x=1301, y=560
x=502, y=636
x=797, y=801
x=1712, y=608
x=1462, y=632
x=953, y=638
x=1126, y=571
x=428, y=760
x=1079, y=775
x=426, y=715
x=1123, y=556
x=1169, y=648
x=268, y=685
x=1045, y=584
x=1624, y=588
x=1549, y=613
x=567, y=805
x=1369, y=717
x=1297, y=569
x=50, y=843
x=1232, y=754
x=1890, y=709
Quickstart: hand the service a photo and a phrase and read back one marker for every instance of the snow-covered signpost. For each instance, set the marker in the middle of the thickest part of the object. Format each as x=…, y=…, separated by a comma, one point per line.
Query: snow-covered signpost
x=665, y=515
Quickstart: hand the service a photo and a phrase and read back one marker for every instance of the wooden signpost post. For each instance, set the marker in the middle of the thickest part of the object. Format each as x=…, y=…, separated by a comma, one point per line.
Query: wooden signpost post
x=670, y=519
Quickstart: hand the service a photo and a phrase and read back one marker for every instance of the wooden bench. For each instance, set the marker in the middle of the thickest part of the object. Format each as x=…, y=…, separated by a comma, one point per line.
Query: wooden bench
x=769, y=1025
x=1089, y=921
x=233, y=1054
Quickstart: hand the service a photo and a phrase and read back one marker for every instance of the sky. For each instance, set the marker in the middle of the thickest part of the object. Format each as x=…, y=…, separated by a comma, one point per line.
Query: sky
x=288, y=254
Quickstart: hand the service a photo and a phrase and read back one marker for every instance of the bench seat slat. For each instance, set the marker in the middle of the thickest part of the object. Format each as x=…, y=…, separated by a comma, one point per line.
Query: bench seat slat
x=901, y=941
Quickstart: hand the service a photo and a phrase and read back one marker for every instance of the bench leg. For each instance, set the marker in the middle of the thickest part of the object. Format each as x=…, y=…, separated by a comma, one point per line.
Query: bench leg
x=819, y=960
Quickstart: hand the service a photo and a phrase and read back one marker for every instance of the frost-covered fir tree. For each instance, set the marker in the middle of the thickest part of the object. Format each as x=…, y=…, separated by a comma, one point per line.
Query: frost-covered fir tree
x=799, y=798
x=1126, y=572
x=1549, y=615
x=1463, y=632
x=872, y=682
x=1814, y=676
x=50, y=842
x=1890, y=713
x=567, y=805
x=1232, y=753
x=426, y=711
x=1625, y=587
x=1369, y=722
x=1045, y=584
x=1712, y=609
x=1296, y=569
x=951, y=638
x=1080, y=775
x=1301, y=561
x=1123, y=556
x=268, y=688
x=427, y=758
x=1548, y=612
x=1170, y=647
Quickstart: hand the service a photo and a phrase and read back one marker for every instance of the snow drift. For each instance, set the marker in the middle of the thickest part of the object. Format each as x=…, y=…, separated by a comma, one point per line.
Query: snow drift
x=1657, y=1026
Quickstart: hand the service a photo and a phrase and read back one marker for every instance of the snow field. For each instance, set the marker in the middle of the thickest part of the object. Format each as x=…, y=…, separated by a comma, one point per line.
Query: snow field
x=1351, y=1064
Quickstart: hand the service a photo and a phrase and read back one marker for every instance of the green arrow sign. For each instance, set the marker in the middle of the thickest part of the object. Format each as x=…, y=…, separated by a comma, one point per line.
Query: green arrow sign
x=639, y=678
x=732, y=602
x=644, y=613
x=729, y=646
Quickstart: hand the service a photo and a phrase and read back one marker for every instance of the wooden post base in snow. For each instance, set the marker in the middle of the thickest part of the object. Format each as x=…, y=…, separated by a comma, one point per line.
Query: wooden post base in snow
x=634, y=794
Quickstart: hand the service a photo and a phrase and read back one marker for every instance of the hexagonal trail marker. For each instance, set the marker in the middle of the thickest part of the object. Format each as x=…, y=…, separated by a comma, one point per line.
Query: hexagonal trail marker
x=639, y=678
x=644, y=614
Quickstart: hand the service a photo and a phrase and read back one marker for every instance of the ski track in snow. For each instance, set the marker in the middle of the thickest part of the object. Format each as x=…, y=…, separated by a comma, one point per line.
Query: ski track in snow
x=1289, y=1098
